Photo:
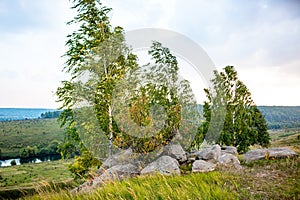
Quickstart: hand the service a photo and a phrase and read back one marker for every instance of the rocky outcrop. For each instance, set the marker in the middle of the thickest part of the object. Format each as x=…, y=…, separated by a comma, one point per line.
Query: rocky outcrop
x=203, y=166
x=117, y=172
x=211, y=154
x=259, y=154
x=177, y=152
x=164, y=165
x=121, y=158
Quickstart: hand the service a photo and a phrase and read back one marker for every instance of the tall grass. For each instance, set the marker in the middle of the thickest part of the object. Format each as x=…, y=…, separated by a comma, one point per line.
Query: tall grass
x=213, y=185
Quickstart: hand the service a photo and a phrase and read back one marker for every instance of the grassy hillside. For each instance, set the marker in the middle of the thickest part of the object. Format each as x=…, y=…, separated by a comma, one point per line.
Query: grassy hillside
x=26, y=178
x=16, y=135
x=266, y=179
x=279, y=117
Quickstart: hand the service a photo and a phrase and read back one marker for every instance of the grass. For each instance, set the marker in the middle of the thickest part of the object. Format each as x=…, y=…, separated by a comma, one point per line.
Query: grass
x=286, y=138
x=211, y=185
x=16, y=135
x=30, y=176
x=264, y=179
x=267, y=179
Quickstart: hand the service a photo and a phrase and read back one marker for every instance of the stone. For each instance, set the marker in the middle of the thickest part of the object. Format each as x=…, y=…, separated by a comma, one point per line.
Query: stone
x=229, y=159
x=121, y=158
x=164, y=165
x=176, y=151
x=85, y=187
x=282, y=152
x=229, y=149
x=203, y=166
x=255, y=154
x=117, y=172
x=212, y=153
x=259, y=154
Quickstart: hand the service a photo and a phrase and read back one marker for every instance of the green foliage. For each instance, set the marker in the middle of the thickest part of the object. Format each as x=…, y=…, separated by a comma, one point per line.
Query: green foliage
x=99, y=50
x=83, y=164
x=95, y=38
x=156, y=97
x=29, y=152
x=13, y=162
x=244, y=124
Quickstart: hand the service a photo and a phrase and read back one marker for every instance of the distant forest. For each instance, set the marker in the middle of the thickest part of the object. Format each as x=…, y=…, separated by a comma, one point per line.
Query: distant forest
x=279, y=117
x=50, y=114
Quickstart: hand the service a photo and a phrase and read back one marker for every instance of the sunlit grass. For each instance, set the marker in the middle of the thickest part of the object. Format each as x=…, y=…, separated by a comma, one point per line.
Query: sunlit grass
x=213, y=185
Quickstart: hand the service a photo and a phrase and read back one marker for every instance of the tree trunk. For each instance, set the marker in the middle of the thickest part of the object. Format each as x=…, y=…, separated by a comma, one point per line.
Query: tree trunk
x=110, y=131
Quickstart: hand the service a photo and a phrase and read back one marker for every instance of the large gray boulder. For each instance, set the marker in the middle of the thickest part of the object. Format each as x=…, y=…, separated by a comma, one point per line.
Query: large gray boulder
x=259, y=154
x=229, y=149
x=203, y=166
x=212, y=153
x=176, y=151
x=231, y=160
x=121, y=158
x=164, y=165
x=282, y=152
x=117, y=172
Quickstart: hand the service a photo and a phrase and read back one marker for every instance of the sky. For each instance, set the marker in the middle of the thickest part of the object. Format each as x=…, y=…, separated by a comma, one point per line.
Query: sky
x=260, y=38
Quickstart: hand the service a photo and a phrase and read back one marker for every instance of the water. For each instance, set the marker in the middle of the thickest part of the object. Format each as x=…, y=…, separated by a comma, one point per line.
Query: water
x=20, y=161
x=7, y=114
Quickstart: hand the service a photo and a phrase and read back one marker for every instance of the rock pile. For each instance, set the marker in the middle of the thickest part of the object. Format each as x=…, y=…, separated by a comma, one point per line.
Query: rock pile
x=124, y=165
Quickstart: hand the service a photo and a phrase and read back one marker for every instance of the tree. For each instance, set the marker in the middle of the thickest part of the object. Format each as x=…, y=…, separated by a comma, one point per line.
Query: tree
x=244, y=124
x=161, y=105
x=98, y=60
x=86, y=55
x=13, y=162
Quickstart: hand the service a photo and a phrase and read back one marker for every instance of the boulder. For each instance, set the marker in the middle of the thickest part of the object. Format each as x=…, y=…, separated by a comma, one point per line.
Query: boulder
x=259, y=154
x=212, y=153
x=203, y=166
x=255, y=154
x=176, y=151
x=229, y=149
x=120, y=158
x=85, y=187
x=117, y=172
x=282, y=152
x=164, y=165
x=229, y=159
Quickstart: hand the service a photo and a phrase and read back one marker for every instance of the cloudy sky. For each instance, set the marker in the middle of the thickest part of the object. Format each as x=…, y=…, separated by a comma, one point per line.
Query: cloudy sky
x=260, y=38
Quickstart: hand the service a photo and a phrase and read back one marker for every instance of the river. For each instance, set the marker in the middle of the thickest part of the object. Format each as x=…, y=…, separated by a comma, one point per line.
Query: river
x=20, y=161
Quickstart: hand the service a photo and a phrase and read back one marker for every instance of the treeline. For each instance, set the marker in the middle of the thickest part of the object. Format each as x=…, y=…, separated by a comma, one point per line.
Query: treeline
x=279, y=117
x=50, y=114
x=36, y=151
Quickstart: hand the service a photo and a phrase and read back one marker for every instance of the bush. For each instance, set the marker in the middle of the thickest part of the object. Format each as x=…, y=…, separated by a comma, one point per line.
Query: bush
x=13, y=162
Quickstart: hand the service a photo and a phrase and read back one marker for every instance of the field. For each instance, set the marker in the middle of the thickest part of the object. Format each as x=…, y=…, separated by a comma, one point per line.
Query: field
x=266, y=179
x=16, y=135
x=26, y=178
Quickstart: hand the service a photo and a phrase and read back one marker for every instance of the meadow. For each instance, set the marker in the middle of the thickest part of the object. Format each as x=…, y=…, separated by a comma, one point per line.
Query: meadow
x=17, y=135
